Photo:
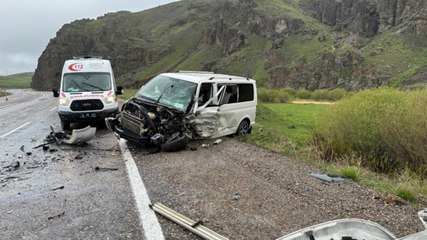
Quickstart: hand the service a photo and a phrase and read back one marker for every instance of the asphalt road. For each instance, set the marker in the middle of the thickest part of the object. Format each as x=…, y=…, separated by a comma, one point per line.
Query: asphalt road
x=58, y=194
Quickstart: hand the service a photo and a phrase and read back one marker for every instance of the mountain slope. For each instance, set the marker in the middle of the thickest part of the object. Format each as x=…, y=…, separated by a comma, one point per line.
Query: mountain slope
x=281, y=43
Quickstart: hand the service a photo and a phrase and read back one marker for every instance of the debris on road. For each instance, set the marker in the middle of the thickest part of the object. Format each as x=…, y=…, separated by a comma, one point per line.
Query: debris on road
x=9, y=178
x=77, y=137
x=218, y=141
x=22, y=148
x=205, y=145
x=28, y=153
x=12, y=167
x=58, y=188
x=327, y=177
x=195, y=227
x=56, y=216
x=78, y=156
x=105, y=169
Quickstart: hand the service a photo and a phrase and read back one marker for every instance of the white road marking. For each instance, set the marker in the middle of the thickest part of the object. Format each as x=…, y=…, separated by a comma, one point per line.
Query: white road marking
x=52, y=109
x=14, y=130
x=151, y=227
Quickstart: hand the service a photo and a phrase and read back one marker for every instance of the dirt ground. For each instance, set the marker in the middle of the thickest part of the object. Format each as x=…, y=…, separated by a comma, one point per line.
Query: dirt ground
x=244, y=192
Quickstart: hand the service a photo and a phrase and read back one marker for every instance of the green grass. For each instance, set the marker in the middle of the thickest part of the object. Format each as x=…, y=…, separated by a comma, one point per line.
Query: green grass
x=284, y=128
x=128, y=93
x=21, y=80
x=271, y=132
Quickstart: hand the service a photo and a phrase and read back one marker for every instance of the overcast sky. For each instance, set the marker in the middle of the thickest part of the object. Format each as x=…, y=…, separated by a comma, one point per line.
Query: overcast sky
x=27, y=25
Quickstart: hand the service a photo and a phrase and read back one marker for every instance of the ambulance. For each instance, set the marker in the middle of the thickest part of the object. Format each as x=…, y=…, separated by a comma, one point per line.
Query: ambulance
x=88, y=92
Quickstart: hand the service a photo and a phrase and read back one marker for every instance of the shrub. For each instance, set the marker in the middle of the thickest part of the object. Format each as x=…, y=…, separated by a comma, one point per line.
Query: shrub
x=303, y=94
x=351, y=172
x=405, y=194
x=329, y=95
x=280, y=95
x=386, y=128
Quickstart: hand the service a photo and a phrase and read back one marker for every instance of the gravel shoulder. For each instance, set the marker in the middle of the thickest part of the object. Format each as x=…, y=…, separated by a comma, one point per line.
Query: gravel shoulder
x=245, y=192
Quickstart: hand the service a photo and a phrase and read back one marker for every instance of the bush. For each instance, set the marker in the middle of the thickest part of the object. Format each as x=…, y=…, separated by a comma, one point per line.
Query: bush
x=406, y=194
x=303, y=94
x=385, y=128
x=329, y=95
x=281, y=95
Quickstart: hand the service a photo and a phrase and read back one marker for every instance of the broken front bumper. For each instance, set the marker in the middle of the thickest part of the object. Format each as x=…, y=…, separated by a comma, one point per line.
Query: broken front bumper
x=112, y=126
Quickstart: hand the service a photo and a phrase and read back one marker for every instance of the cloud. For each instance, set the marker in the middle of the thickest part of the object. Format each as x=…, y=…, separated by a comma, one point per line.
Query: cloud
x=26, y=26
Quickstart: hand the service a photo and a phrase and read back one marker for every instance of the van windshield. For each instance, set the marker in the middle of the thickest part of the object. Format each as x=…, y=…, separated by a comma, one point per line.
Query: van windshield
x=86, y=82
x=168, y=91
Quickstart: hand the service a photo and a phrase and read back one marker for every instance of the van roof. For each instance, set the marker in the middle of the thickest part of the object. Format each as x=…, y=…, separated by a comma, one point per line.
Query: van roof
x=197, y=77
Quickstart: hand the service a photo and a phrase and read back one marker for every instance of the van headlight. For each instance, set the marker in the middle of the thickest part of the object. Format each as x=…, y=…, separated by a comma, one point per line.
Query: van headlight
x=110, y=99
x=63, y=101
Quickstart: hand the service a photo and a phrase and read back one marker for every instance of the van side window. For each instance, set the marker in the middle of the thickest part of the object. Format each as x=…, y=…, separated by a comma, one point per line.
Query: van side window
x=246, y=92
x=205, y=94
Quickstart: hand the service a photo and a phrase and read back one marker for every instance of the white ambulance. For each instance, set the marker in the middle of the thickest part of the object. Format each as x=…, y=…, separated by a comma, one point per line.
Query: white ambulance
x=87, y=92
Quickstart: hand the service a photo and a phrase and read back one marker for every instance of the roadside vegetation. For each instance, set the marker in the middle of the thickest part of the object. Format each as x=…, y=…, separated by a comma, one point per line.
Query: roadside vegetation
x=284, y=95
x=374, y=137
x=21, y=80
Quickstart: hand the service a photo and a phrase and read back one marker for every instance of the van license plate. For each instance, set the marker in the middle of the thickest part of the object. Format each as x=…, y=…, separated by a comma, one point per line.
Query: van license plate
x=87, y=115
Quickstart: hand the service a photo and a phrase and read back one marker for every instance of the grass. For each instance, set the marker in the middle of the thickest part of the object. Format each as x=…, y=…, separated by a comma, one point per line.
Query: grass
x=128, y=93
x=272, y=132
x=284, y=128
x=21, y=80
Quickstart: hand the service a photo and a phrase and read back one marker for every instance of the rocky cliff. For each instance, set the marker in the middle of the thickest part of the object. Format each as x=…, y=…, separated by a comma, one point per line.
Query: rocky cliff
x=307, y=44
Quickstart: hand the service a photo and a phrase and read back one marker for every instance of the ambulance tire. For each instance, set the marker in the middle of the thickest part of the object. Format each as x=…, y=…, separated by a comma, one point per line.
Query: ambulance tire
x=65, y=125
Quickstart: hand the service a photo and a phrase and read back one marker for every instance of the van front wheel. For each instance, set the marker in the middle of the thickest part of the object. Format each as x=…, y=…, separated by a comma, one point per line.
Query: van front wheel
x=65, y=125
x=243, y=128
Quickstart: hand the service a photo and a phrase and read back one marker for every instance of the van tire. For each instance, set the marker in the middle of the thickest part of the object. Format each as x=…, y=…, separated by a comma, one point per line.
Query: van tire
x=175, y=144
x=65, y=125
x=243, y=128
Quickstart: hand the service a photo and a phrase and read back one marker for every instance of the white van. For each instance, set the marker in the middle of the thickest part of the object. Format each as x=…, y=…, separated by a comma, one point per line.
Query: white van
x=87, y=92
x=173, y=108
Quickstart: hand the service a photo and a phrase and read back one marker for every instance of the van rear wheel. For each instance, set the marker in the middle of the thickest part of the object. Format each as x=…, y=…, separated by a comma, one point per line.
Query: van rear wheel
x=243, y=128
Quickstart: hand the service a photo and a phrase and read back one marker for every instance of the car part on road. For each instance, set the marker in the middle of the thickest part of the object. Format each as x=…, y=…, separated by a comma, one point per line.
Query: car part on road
x=56, y=216
x=77, y=137
x=80, y=136
x=354, y=229
x=327, y=177
x=105, y=169
x=58, y=188
x=193, y=226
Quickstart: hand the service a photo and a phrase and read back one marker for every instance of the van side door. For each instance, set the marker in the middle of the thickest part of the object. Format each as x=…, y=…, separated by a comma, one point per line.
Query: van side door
x=206, y=113
x=237, y=104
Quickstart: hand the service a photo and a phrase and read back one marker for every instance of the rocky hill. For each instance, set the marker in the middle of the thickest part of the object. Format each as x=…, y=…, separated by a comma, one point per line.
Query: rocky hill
x=308, y=44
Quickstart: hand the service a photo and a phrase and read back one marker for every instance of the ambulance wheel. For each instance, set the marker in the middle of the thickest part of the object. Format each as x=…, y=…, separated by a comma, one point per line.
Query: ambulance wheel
x=65, y=125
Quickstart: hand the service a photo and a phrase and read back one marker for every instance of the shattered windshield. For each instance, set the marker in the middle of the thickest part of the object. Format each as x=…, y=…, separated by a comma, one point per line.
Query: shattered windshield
x=86, y=82
x=168, y=91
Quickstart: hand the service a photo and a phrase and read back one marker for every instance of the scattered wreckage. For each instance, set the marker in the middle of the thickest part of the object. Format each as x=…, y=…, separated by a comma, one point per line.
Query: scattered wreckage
x=342, y=229
x=77, y=137
x=173, y=108
x=354, y=229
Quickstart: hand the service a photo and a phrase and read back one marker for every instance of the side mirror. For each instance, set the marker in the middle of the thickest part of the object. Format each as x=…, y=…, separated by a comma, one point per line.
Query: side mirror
x=55, y=92
x=119, y=90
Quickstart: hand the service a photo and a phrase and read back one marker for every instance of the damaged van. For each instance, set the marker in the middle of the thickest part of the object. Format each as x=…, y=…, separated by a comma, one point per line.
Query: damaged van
x=173, y=108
